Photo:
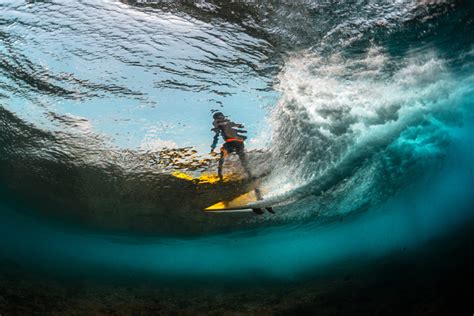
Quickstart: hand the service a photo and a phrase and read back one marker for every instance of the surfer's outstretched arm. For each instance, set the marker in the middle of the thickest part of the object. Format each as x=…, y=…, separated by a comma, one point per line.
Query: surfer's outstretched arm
x=237, y=125
x=215, y=140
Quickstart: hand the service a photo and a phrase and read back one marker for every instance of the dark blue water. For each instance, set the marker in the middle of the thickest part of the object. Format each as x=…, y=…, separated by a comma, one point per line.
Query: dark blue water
x=364, y=112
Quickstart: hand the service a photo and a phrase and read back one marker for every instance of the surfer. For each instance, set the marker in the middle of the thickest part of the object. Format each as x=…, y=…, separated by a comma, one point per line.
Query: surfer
x=234, y=141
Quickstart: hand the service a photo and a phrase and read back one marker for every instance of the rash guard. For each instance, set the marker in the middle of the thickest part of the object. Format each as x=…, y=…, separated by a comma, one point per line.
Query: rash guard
x=228, y=130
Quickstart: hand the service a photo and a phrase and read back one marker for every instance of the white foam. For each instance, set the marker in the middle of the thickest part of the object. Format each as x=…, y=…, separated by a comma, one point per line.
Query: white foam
x=332, y=109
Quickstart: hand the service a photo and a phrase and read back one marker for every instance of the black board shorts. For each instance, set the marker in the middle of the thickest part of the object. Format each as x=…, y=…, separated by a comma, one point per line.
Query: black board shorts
x=234, y=146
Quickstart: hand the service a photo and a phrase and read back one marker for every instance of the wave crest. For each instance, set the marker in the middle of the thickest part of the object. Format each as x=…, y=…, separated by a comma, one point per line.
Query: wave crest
x=350, y=132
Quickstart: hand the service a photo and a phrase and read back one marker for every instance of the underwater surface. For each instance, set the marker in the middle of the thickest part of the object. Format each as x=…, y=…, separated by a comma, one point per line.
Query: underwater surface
x=360, y=129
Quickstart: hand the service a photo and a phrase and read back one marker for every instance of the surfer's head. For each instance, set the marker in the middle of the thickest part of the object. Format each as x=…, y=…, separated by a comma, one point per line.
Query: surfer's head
x=218, y=115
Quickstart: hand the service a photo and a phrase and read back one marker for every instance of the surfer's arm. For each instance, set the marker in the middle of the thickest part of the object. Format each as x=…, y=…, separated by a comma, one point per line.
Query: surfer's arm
x=237, y=125
x=216, y=139
x=239, y=128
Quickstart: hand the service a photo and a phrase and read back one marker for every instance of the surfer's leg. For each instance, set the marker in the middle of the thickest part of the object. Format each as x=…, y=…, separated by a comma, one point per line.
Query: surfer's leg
x=243, y=159
x=220, y=165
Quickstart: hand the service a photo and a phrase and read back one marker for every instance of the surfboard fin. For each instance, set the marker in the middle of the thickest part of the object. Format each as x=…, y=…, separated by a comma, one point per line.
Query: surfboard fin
x=257, y=211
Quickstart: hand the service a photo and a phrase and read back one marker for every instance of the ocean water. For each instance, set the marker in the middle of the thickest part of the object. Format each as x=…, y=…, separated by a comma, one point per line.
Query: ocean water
x=362, y=110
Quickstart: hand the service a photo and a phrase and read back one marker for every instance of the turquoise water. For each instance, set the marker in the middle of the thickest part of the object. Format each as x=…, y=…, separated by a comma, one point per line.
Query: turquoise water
x=365, y=114
x=438, y=206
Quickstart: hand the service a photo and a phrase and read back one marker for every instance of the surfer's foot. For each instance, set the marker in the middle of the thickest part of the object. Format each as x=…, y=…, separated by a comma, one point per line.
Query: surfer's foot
x=257, y=211
x=270, y=210
x=250, y=176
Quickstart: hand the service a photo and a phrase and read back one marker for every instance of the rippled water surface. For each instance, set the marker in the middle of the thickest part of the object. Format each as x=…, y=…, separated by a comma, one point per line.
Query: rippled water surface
x=142, y=78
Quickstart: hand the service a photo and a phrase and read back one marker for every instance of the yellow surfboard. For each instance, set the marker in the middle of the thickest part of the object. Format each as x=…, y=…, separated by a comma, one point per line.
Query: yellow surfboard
x=238, y=202
x=248, y=202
